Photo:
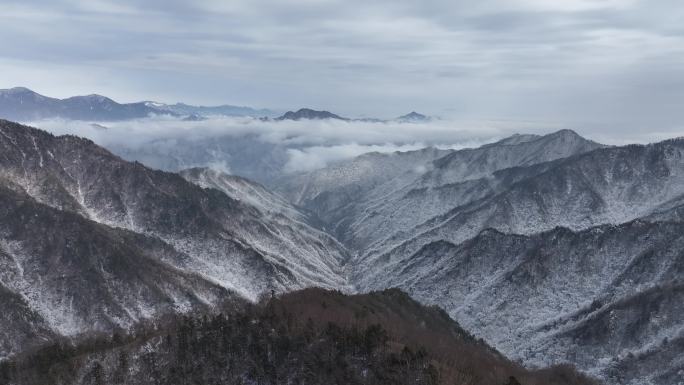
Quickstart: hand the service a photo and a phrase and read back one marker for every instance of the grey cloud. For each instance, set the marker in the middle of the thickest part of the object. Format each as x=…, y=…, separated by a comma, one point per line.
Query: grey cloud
x=577, y=62
x=306, y=144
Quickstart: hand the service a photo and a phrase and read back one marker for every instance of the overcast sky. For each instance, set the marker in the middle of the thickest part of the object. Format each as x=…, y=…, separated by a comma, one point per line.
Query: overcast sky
x=607, y=66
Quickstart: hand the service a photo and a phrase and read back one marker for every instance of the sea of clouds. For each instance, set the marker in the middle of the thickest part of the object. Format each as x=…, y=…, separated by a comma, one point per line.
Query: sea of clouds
x=309, y=144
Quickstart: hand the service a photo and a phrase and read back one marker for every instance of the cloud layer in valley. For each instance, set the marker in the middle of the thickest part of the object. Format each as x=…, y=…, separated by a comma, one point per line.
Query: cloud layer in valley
x=306, y=144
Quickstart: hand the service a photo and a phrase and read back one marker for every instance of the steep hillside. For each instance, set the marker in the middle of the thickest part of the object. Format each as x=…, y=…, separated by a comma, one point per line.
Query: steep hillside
x=312, y=337
x=612, y=185
x=374, y=196
x=242, y=189
x=62, y=274
x=600, y=298
x=195, y=232
x=334, y=192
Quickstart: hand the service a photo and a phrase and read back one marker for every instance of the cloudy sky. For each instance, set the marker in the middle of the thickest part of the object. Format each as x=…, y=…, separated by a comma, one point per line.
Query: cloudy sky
x=607, y=66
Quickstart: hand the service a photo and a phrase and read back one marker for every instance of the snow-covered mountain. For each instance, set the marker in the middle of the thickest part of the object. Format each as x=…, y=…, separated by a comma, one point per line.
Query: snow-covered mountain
x=608, y=299
x=173, y=231
x=25, y=105
x=62, y=275
x=605, y=186
x=376, y=196
x=413, y=117
x=478, y=232
x=552, y=248
x=223, y=110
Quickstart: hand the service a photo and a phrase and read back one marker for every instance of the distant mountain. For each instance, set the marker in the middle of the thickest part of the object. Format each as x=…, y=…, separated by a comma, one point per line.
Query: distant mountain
x=22, y=104
x=309, y=114
x=375, y=196
x=207, y=111
x=413, y=117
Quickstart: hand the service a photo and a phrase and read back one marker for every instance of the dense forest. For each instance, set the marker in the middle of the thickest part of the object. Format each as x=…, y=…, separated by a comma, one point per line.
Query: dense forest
x=307, y=337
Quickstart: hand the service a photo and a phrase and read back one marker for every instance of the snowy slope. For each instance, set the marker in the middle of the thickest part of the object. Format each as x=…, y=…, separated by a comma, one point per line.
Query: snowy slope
x=374, y=196
x=424, y=229
x=226, y=243
x=611, y=185
x=62, y=274
x=600, y=298
x=242, y=189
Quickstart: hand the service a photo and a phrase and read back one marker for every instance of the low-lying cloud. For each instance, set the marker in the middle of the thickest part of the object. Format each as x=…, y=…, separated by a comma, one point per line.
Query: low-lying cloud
x=265, y=149
x=309, y=144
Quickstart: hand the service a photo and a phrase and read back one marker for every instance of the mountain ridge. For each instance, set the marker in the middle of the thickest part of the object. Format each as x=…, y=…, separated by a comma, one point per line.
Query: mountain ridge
x=309, y=114
x=226, y=243
x=23, y=104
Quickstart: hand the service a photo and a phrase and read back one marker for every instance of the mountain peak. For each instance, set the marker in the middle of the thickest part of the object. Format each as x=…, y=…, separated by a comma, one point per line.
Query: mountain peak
x=92, y=98
x=309, y=114
x=414, y=117
x=21, y=93
x=570, y=136
x=23, y=104
x=565, y=132
x=17, y=90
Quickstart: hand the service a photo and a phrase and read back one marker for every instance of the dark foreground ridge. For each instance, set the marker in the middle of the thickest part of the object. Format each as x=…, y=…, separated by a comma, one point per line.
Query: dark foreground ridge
x=306, y=337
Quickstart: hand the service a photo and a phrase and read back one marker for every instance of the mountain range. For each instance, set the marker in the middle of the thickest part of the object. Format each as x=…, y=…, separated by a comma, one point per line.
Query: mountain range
x=207, y=111
x=121, y=225
x=544, y=246
x=25, y=105
x=309, y=114
x=22, y=104
x=553, y=249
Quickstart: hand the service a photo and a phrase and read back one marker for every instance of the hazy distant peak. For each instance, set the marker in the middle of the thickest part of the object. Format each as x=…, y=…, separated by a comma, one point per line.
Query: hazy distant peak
x=16, y=90
x=414, y=117
x=92, y=98
x=22, y=93
x=309, y=114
